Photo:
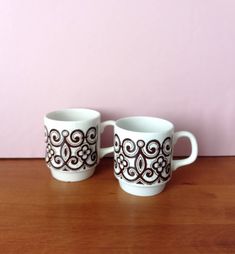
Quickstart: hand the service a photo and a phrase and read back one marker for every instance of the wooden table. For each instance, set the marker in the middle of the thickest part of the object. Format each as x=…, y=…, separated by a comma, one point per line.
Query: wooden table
x=195, y=213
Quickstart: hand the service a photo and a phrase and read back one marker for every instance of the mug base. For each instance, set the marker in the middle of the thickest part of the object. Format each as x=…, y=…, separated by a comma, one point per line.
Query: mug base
x=72, y=176
x=143, y=191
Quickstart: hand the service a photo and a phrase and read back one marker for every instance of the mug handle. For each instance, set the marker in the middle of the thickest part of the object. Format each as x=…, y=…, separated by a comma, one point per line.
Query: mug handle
x=106, y=150
x=179, y=163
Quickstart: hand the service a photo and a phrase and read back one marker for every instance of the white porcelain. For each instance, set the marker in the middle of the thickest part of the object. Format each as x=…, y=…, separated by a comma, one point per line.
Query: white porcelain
x=143, y=190
x=73, y=143
x=143, y=154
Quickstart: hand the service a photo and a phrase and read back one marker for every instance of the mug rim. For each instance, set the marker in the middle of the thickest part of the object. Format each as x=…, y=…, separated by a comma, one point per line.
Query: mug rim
x=169, y=126
x=59, y=115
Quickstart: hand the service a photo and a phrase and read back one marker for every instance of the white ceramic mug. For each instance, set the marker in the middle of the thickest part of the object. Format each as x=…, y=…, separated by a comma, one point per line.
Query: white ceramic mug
x=73, y=143
x=143, y=154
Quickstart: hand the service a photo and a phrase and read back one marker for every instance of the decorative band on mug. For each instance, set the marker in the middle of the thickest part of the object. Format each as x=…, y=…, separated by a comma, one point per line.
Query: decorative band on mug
x=143, y=162
x=71, y=151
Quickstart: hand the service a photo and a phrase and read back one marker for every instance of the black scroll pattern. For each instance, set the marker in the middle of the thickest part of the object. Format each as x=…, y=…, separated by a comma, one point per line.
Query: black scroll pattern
x=71, y=151
x=142, y=163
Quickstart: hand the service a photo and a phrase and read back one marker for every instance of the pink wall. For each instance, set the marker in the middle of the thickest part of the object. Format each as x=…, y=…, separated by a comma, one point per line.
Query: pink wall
x=172, y=59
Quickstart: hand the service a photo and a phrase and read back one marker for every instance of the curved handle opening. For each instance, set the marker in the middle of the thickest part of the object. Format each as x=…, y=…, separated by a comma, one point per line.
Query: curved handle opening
x=106, y=150
x=194, y=147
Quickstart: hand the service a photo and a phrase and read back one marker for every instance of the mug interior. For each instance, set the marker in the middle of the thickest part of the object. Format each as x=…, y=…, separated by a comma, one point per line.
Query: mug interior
x=70, y=115
x=144, y=124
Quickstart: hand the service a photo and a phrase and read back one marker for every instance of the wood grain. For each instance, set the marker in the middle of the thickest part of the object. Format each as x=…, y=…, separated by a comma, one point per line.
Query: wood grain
x=195, y=213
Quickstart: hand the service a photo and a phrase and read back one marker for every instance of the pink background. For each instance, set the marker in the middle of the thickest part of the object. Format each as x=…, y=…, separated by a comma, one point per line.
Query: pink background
x=171, y=59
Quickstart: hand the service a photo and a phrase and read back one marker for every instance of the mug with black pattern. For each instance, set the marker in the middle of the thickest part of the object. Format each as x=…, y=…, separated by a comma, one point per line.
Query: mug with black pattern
x=143, y=154
x=73, y=143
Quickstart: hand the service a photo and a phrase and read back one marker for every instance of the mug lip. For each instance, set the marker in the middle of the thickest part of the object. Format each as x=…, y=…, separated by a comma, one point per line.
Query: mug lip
x=169, y=128
x=49, y=116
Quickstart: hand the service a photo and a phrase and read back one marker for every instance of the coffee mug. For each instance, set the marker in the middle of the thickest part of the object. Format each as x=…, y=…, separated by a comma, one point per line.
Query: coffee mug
x=143, y=154
x=73, y=143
